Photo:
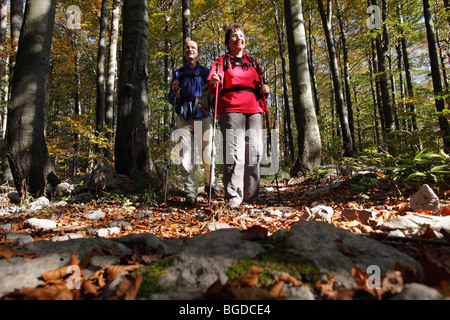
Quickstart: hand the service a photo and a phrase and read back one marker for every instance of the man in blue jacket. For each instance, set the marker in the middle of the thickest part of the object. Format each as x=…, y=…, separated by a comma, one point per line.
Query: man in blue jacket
x=193, y=121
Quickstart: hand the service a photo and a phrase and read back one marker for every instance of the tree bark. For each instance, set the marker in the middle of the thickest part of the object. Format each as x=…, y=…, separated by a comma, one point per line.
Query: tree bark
x=112, y=69
x=339, y=95
x=348, y=93
x=309, y=141
x=436, y=75
x=186, y=20
x=132, y=154
x=287, y=125
x=27, y=151
x=382, y=45
x=101, y=72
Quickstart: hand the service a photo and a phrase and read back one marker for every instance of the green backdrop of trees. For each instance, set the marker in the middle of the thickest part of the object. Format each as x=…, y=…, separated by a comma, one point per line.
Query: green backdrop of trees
x=371, y=93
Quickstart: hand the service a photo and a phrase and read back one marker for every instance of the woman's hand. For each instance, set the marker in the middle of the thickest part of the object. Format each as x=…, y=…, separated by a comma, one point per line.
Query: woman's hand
x=215, y=79
x=265, y=89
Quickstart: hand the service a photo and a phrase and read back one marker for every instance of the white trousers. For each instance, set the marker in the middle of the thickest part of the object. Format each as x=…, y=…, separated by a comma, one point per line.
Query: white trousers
x=194, y=136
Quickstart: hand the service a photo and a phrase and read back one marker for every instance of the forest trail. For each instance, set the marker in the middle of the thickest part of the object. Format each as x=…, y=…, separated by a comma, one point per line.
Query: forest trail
x=334, y=201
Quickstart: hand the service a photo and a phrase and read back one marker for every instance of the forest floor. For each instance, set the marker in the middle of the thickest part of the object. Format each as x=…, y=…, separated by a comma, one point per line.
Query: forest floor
x=177, y=221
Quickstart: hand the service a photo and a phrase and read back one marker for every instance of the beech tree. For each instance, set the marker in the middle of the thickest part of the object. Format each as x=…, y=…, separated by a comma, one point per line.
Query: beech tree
x=436, y=74
x=309, y=143
x=132, y=153
x=338, y=92
x=32, y=170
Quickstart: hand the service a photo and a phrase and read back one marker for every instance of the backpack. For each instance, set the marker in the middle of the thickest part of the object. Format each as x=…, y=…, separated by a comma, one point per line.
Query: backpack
x=204, y=77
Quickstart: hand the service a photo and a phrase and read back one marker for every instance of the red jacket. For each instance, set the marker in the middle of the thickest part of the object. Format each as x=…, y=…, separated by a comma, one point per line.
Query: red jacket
x=239, y=89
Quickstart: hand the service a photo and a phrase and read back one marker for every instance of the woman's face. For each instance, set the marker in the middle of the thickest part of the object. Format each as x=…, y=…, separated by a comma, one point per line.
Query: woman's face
x=236, y=44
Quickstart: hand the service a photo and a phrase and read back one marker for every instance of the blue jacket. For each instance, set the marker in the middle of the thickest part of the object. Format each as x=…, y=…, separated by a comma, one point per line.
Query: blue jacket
x=191, y=83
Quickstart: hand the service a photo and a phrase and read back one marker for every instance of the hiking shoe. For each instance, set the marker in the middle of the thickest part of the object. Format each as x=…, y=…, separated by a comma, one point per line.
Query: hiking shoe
x=233, y=204
x=190, y=201
x=214, y=193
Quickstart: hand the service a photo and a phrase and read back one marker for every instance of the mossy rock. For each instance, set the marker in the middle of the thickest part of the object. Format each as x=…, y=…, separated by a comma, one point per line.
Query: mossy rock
x=277, y=258
x=151, y=275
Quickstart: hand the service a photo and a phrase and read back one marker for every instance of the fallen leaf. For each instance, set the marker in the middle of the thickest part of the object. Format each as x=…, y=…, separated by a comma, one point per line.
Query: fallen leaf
x=59, y=273
x=288, y=279
x=128, y=288
x=8, y=253
x=113, y=270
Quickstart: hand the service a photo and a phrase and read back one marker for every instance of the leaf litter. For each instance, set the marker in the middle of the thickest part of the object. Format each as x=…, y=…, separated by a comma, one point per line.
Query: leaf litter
x=175, y=221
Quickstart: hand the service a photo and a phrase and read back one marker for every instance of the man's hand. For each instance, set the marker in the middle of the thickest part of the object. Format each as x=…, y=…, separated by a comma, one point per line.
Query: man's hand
x=176, y=88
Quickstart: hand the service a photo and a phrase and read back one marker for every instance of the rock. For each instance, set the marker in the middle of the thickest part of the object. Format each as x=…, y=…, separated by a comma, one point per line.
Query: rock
x=19, y=272
x=279, y=211
x=19, y=238
x=425, y=199
x=202, y=261
x=104, y=232
x=64, y=189
x=14, y=197
x=411, y=224
x=96, y=215
x=418, y=291
x=39, y=204
x=320, y=212
x=299, y=293
x=337, y=251
x=218, y=226
x=6, y=226
x=105, y=178
x=40, y=224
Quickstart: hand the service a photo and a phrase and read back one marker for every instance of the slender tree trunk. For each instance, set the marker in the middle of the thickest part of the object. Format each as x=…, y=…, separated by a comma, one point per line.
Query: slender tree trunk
x=339, y=95
x=132, y=153
x=4, y=74
x=287, y=111
x=436, y=75
x=348, y=93
x=186, y=19
x=77, y=104
x=28, y=156
x=112, y=70
x=382, y=45
x=312, y=69
x=101, y=72
x=309, y=141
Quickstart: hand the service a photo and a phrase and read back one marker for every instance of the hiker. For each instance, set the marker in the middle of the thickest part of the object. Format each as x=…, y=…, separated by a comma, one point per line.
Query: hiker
x=193, y=121
x=240, y=118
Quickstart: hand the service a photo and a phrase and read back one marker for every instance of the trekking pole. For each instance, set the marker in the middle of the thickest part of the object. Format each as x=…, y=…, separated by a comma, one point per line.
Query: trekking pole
x=170, y=150
x=261, y=77
x=213, y=147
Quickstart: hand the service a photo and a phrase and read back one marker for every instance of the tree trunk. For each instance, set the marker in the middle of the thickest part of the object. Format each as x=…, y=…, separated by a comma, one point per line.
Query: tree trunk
x=77, y=104
x=312, y=69
x=101, y=73
x=382, y=45
x=348, y=93
x=309, y=141
x=112, y=69
x=27, y=151
x=339, y=96
x=186, y=20
x=287, y=125
x=132, y=154
x=436, y=75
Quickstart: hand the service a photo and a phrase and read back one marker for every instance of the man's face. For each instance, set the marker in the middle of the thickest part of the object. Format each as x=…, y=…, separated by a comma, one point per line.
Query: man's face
x=191, y=51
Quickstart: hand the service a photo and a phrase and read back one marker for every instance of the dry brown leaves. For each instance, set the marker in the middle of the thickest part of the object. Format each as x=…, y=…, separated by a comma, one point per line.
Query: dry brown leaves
x=72, y=283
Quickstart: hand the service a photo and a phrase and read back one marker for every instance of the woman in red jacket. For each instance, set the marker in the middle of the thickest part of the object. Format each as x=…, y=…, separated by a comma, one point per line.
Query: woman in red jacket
x=240, y=111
